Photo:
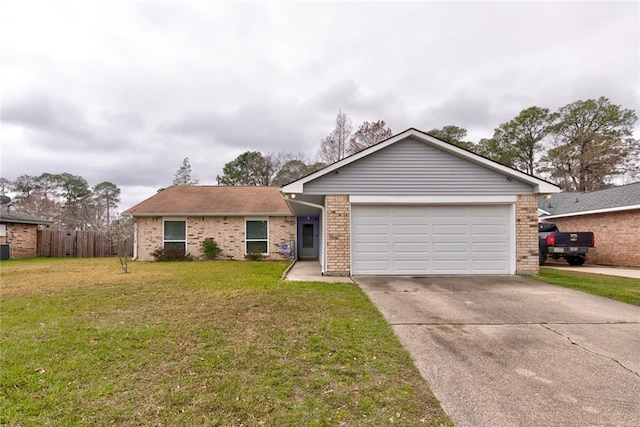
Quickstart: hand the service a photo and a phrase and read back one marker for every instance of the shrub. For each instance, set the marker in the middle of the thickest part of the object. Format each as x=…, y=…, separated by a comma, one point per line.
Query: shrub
x=254, y=256
x=171, y=253
x=210, y=248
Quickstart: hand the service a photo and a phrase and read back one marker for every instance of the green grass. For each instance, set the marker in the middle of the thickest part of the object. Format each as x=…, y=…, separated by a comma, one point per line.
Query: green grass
x=197, y=343
x=618, y=288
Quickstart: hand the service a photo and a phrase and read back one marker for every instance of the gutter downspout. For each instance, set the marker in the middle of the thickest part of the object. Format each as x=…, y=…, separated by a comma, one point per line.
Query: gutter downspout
x=323, y=258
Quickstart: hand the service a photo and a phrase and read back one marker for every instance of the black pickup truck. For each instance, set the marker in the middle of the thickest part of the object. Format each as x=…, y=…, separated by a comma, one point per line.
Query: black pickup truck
x=571, y=246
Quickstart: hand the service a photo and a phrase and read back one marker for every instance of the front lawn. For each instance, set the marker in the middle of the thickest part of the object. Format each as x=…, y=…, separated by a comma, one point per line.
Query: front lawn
x=197, y=343
x=618, y=288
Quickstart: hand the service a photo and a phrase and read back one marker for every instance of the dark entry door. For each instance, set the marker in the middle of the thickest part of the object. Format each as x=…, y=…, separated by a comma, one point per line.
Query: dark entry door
x=308, y=239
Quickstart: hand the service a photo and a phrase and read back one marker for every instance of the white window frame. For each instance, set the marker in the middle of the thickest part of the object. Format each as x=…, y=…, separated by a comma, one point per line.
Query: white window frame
x=246, y=240
x=186, y=231
x=3, y=230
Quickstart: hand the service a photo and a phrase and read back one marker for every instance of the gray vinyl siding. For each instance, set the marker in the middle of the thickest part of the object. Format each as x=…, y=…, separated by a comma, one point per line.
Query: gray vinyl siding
x=414, y=167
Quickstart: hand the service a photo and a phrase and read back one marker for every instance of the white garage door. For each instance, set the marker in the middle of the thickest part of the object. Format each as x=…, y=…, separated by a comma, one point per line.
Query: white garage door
x=415, y=240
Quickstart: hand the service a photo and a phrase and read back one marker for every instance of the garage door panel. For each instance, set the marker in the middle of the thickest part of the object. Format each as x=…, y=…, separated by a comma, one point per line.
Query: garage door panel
x=431, y=239
x=410, y=266
x=411, y=247
x=491, y=229
x=375, y=267
x=448, y=211
x=374, y=229
x=372, y=247
x=450, y=247
x=449, y=229
x=489, y=266
x=401, y=212
x=410, y=229
x=450, y=266
x=490, y=247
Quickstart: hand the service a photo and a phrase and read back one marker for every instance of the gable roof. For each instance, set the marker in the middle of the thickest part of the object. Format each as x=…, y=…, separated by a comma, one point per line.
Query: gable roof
x=624, y=197
x=212, y=200
x=540, y=185
x=22, y=218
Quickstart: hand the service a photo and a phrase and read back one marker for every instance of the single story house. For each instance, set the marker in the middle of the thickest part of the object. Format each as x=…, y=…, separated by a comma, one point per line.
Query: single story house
x=240, y=219
x=612, y=214
x=416, y=205
x=19, y=232
x=409, y=205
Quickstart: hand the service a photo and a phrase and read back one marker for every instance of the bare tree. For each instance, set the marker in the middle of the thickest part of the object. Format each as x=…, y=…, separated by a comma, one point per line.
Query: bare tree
x=120, y=232
x=335, y=146
x=369, y=134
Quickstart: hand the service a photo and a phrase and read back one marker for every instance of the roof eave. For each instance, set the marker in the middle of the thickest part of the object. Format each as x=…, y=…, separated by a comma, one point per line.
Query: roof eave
x=593, y=211
x=25, y=221
x=210, y=214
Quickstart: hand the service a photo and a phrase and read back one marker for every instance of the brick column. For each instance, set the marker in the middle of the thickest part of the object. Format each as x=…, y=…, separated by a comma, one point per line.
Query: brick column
x=527, y=234
x=338, y=235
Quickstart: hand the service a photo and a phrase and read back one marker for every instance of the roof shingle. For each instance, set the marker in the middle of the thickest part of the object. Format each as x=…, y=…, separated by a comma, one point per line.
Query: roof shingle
x=574, y=202
x=203, y=200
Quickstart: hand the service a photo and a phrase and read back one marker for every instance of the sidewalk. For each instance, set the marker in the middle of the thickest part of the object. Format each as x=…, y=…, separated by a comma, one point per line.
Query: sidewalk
x=633, y=273
x=310, y=271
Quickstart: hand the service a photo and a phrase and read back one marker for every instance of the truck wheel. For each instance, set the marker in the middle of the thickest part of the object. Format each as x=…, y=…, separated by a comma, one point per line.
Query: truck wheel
x=543, y=258
x=575, y=260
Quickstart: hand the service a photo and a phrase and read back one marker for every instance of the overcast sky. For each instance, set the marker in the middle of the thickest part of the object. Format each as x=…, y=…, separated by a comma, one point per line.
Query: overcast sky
x=123, y=91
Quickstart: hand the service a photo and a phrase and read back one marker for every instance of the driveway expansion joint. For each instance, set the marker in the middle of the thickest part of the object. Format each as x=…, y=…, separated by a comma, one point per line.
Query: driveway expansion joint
x=589, y=350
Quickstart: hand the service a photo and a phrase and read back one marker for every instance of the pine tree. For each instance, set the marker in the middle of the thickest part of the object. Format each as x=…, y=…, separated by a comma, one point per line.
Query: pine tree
x=183, y=174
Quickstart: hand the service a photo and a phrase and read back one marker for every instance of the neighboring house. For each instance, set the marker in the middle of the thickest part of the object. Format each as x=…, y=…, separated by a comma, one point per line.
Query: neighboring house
x=20, y=232
x=239, y=219
x=612, y=214
x=415, y=205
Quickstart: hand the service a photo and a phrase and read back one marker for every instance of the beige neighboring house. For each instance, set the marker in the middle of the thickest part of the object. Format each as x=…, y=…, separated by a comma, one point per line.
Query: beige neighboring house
x=239, y=219
x=20, y=232
x=612, y=214
x=416, y=205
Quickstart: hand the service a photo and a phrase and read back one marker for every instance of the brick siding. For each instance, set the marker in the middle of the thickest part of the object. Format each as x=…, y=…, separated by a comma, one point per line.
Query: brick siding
x=22, y=240
x=617, y=236
x=527, y=234
x=338, y=235
x=228, y=232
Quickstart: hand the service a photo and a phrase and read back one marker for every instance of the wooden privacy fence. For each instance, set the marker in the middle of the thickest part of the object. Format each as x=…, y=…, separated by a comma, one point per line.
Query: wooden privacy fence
x=78, y=244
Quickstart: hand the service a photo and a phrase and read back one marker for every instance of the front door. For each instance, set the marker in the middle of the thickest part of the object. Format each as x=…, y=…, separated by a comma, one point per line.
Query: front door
x=308, y=239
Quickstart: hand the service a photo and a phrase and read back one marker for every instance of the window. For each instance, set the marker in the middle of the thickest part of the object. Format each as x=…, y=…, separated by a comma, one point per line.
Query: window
x=257, y=236
x=175, y=234
x=3, y=230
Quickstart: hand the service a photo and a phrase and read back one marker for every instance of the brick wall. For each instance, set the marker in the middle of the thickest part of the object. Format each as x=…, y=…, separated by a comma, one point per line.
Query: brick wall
x=228, y=232
x=338, y=235
x=617, y=236
x=22, y=240
x=527, y=234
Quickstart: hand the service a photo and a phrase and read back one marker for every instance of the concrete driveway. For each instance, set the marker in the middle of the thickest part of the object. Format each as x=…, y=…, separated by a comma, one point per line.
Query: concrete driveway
x=508, y=351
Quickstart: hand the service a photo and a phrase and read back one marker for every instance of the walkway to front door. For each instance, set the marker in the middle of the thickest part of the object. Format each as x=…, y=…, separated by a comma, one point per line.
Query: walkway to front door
x=310, y=271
